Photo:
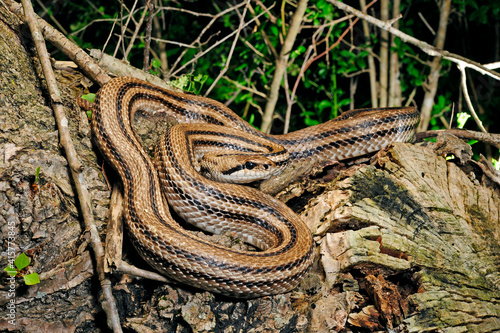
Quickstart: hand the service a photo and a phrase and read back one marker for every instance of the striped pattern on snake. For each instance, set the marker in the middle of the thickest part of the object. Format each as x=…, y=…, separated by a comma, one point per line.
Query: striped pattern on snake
x=287, y=249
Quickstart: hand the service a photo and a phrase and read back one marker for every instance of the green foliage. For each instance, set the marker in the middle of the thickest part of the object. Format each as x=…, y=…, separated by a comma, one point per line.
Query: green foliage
x=190, y=83
x=462, y=119
x=155, y=67
x=324, y=88
x=37, y=175
x=496, y=163
x=89, y=97
x=22, y=261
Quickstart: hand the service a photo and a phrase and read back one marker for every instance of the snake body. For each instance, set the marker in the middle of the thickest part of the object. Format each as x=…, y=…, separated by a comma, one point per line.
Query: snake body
x=286, y=245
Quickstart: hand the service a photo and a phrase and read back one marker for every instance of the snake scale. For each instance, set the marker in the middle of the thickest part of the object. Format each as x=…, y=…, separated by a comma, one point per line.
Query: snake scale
x=208, y=134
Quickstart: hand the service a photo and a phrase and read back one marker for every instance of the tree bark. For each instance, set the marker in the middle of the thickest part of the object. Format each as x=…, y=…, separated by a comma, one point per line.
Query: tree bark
x=408, y=241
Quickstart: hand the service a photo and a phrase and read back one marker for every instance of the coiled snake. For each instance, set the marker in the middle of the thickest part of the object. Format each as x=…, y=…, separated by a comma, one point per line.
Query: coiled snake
x=187, y=150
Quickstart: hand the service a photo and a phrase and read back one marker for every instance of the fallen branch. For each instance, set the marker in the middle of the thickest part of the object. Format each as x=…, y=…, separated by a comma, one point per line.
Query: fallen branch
x=489, y=138
x=109, y=304
x=63, y=44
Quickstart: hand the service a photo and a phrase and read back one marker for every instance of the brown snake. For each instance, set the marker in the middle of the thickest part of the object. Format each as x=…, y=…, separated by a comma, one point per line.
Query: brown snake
x=287, y=249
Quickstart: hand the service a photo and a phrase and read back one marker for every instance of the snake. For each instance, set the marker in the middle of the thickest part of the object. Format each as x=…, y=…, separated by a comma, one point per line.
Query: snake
x=209, y=134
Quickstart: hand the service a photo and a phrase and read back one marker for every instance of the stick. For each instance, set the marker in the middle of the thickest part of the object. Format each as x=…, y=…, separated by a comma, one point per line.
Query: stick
x=230, y=54
x=76, y=168
x=489, y=138
x=427, y=48
x=70, y=49
x=281, y=65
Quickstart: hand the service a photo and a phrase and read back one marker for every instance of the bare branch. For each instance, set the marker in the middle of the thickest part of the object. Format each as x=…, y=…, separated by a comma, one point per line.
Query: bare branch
x=230, y=55
x=186, y=11
x=76, y=167
x=281, y=64
x=198, y=40
x=242, y=87
x=425, y=47
x=201, y=54
x=384, y=55
x=63, y=44
x=435, y=68
x=308, y=63
x=467, y=99
x=147, y=43
x=489, y=138
x=371, y=61
x=135, y=34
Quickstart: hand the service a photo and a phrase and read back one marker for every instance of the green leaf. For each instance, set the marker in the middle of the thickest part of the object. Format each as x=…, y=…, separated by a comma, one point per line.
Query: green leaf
x=324, y=104
x=240, y=67
x=321, y=4
x=310, y=122
x=361, y=63
x=22, y=261
x=496, y=163
x=274, y=30
x=471, y=142
x=89, y=97
x=252, y=119
x=37, y=175
x=11, y=270
x=155, y=63
x=31, y=279
x=462, y=119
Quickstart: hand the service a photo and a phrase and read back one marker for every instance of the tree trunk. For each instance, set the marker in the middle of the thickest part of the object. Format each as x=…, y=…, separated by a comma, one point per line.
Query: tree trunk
x=408, y=242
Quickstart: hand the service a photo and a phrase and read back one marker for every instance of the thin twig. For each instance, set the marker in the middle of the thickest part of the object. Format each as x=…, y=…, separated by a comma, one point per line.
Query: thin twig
x=467, y=98
x=425, y=47
x=308, y=63
x=161, y=46
x=165, y=41
x=76, y=168
x=489, y=138
x=163, y=8
x=242, y=87
x=426, y=23
x=263, y=34
x=230, y=54
x=371, y=61
x=281, y=65
x=201, y=54
x=198, y=39
x=292, y=95
x=149, y=27
x=46, y=11
x=123, y=26
x=63, y=44
x=138, y=26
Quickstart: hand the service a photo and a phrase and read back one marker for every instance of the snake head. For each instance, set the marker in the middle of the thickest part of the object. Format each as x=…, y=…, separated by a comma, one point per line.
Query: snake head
x=237, y=168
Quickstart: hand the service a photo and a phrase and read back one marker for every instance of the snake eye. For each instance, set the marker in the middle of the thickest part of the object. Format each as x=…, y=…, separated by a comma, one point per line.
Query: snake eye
x=250, y=165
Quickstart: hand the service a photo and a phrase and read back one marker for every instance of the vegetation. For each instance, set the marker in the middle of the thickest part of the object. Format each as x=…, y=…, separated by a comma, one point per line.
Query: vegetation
x=22, y=261
x=231, y=51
